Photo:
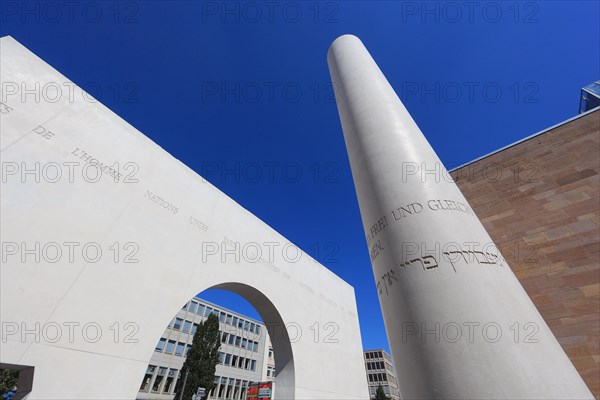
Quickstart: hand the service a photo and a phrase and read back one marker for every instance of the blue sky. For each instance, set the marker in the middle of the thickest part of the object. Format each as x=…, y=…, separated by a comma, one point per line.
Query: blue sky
x=244, y=84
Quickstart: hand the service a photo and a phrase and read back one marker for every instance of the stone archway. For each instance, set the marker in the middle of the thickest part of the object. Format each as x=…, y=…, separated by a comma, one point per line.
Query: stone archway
x=94, y=265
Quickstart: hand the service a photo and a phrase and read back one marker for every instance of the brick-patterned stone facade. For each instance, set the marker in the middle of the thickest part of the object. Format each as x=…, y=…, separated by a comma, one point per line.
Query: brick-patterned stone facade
x=539, y=200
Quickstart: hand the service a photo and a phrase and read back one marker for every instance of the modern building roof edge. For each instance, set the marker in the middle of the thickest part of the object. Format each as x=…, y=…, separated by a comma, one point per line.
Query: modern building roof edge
x=526, y=138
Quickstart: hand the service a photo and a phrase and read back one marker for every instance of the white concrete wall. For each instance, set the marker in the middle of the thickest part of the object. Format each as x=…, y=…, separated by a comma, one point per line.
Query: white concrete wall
x=168, y=245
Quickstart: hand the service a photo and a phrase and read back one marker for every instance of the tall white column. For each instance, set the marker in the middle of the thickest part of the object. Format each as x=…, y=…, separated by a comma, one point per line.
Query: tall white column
x=458, y=321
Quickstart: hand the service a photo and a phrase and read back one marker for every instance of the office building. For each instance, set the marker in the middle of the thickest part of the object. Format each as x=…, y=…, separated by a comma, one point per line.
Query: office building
x=245, y=347
x=380, y=371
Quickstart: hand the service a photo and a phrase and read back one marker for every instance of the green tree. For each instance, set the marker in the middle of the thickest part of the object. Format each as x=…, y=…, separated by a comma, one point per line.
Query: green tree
x=201, y=360
x=380, y=394
x=8, y=380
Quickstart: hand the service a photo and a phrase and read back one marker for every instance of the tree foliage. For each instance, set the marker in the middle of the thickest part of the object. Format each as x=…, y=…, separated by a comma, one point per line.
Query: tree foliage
x=201, y=360
x=8, y=380
x=380, y=394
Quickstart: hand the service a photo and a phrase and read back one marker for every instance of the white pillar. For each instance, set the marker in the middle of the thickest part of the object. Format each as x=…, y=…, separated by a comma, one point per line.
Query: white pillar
x=458, y=321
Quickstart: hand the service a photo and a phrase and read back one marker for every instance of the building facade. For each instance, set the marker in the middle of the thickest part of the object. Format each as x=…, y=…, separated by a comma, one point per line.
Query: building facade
x=539, y=199
x=380, y=371
x=245, y=348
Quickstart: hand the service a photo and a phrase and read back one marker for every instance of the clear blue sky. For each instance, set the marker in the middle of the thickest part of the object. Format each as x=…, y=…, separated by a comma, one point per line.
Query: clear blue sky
x=249, y=85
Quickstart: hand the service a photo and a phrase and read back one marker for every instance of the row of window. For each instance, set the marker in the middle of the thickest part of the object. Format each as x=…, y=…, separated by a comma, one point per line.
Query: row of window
x=231, y=360
x=234, y=340
x=164, y=381
x=229, y=388
x=168, y=347
x=377, y=377
x=373, y=354
x=202, y=310
x=375, y=365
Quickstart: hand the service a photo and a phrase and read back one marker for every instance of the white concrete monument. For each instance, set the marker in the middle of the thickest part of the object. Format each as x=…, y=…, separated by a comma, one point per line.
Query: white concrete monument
x=459, y=324
x=105, y=236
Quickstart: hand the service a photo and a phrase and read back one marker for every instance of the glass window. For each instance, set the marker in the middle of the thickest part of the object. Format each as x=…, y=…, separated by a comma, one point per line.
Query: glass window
x=234, y=361
x=224, y=337
x=221, y=357
x=238, y=341
x=234, y=321
x=231, y=339
x=187, y=325
x=208, y=311
x=270, y=353
x=216, y=312
x=177, y=324
x=257, y=329
x=240, y=323
x=187, y=349
x=194, y=328
x=244, y=343
x=200, y=310
x=228, y=320
x=147, y=378
x=255, y=346
x=253, y=365
x=169, y=382
x=159, y=378
x=246, y=325
x=227, y=359
x=170, y=347
x=160, y=345
x=379, y=354
x=252, y=326
x=179, y=349
x=192, y=307
x=184, y=306
x=241, y=362
x=222, y=317
x=247, y=363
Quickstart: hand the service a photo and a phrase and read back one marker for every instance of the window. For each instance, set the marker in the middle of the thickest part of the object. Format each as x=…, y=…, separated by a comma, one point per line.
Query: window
x=222, y=317
x=253, y=365
x=252, y=327
x=160, y=345
x=227, y=359
x=170, y=347
x=257, y=329
x=221, y=357
x=270, y=353
x=159, y=378
x=147, y=378
x=194, y=328
x=187, y=349
x=234, y=361
x=200, y=310
x=228, y=319
x=240, y=323
x=241, y=362
x=192, y=307
x=234, y=321
x=246, y=325
x=224, y=337
x=216, y=312
x=370, y=378
x=254, y=346
x=369, y=366
x=179, y=349
x=244, y=343
x=177, y=324
x=247, y=363
x=208, y=311
x=231, y=339
x=237, y=341
x=184, y=307
x=380, y=355
x=187, y=325
x=169, y=382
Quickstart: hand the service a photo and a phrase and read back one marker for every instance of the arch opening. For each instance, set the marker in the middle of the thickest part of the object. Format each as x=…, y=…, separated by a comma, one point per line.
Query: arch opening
x=173, y=344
